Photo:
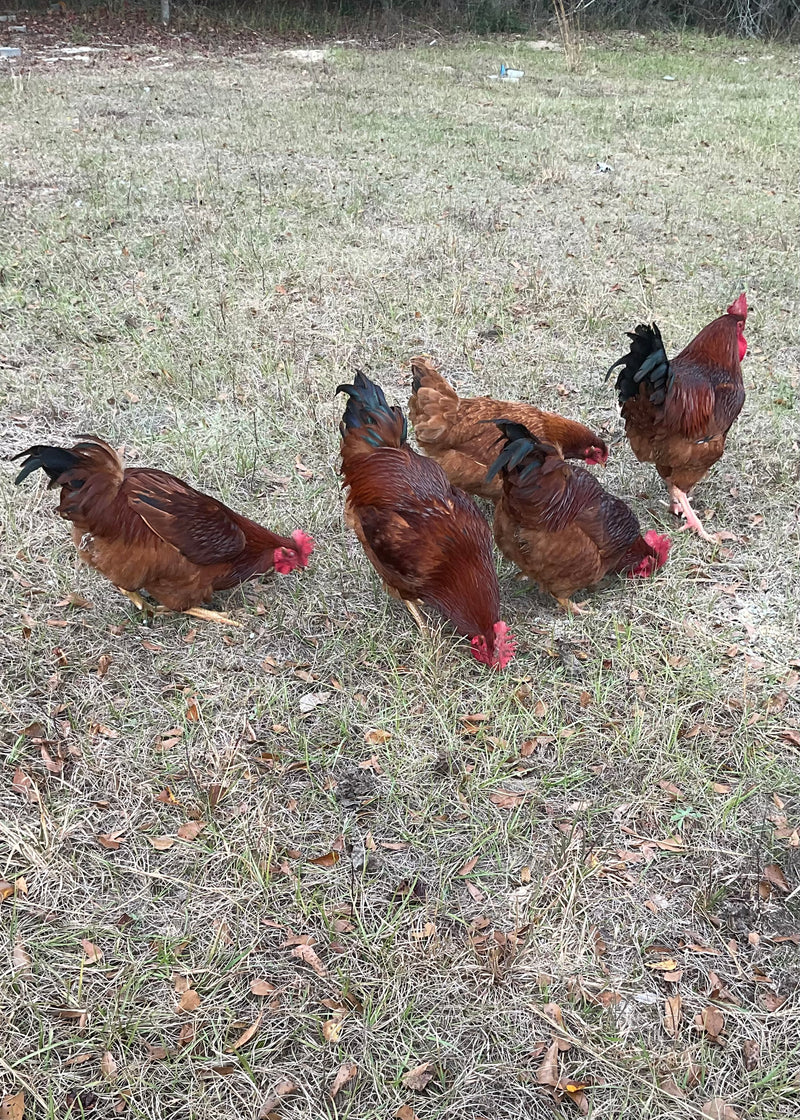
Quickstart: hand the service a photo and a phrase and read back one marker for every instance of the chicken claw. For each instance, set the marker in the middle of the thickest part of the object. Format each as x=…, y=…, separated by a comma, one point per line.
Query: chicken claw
x=414, y=611
x=680, y=504
x=137, y=600
x=572, y=608
x=211, y=616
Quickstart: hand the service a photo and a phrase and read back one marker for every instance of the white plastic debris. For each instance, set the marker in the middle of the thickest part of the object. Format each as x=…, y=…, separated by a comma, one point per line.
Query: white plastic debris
x=669, y=78
x=10, y=52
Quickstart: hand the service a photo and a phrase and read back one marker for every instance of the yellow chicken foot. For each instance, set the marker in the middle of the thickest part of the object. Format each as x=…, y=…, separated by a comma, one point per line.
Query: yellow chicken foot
x=136, y=599
x=414, y=611
x=680, y=504
x=211, y=616
x=572, y=608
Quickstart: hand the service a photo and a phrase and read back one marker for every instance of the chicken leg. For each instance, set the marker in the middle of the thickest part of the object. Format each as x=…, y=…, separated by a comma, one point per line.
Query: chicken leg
x=680, y=505
x=414, y=611
x=572, y=608
x=137, y=600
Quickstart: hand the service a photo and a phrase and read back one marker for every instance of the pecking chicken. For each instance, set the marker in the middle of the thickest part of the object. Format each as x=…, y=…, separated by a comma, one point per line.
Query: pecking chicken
x=558, y=524
x=145, y=529
x=454, y=431
x=678, y=411
x=426, y=540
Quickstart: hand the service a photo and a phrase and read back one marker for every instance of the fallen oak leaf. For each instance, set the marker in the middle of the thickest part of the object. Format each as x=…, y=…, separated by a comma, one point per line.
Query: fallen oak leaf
x=94, y=954
x=547, y=1073
x=330, y=859
x=406, y=1112
x=282, y=1089
x=773, y=873
x=417, y=1078
x=347, y=1071
x=262, y=987
x=506, y=799
x=718, y=1109
x=13, y=1108
x=376, y=737
x=248, y=1034
x=712, y=1021
x=672, y=1016
x=189, y=1001
x=191, y=830
x=161, y=843
x=20, y=959
x=110, y=840
x=332, y=1029
x=468, y=866
x=308, y=956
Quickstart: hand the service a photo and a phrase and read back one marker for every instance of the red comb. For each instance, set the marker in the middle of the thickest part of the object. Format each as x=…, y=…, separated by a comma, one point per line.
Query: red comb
x=739, y=307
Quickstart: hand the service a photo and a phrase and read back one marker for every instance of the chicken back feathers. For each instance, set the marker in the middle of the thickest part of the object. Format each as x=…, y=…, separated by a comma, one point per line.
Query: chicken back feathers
x=426, y=539
x=559, y=525
x=143, y=528
x=678, y=412
x=454, y=431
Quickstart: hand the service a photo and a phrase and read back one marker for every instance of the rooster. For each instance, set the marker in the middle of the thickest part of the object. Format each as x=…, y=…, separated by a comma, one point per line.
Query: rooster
x=558, y=524
x=426, y=540
x=678, y=412
x=455, y=431
x=145, y=529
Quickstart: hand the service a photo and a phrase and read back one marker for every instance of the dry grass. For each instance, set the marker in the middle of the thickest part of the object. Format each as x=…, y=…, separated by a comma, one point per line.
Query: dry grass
x=197, y=251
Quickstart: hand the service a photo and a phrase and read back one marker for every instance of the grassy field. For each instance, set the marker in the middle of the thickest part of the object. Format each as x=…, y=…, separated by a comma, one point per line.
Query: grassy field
x=238, y=860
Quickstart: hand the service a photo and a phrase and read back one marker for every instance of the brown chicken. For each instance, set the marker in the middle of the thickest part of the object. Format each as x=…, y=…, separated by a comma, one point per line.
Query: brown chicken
x=454, y=431
x=678, y=412
x=145, y=529
x=558, y=524
x=425, y=539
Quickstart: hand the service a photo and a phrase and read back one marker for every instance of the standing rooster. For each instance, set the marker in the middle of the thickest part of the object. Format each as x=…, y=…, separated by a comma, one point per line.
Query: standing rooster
x=143, y=528
x=426, y=540
x=455, y=431
x=678, y=412
x=558, y=524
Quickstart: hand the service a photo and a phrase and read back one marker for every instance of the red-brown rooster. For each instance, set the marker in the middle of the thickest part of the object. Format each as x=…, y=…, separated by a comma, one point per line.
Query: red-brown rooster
x=558, y=524
x=426, y=540
x=678, y=412
x=145, y=529
x=455, y=431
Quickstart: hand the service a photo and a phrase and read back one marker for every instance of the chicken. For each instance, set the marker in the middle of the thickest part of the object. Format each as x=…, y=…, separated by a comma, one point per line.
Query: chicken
x=558, y=524
x=456, y=432
x=426, y=540
x=678, y=412
x=145, y=529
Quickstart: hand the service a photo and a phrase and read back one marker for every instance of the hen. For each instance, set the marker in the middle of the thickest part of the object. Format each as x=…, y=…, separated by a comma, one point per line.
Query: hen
x=454, y=431
x=678, y=412
x=558, y=524
x=426, y=540
x=143, y=528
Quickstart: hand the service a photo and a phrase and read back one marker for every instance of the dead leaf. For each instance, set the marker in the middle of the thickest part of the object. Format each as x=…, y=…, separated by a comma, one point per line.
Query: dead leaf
x=721, y=787
x=189, y=1001
x=540, y=709
x=375, y=738
x=191, y=830
x=770, y=1000
x=94, y=954
x=305, y=472
x=313, y=700
x=169, y=739
x=332, y=1029
x=547, y=1073
x=751, y=1053
x=21, y=783
x=6, y=890
x=773, y=873
x=330, y=859
x=469, y=866
x=20, y=959
x=719, y=1109
x=308, y=956
x=669, y=1087
x=417, y=1078
x=664, y=966
x=347, y=1071
x=712, y=1021
x=506, y=799
x=248, y=1034
x=108, y=1066
x=282, y=1089
x=13, y=1108
x=262, y=987
x=672, y=1016
x=103, y=663
x=192, y=712
x=406, y=1112
x=475, y=892
x=161, y=843
x=671, y=789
